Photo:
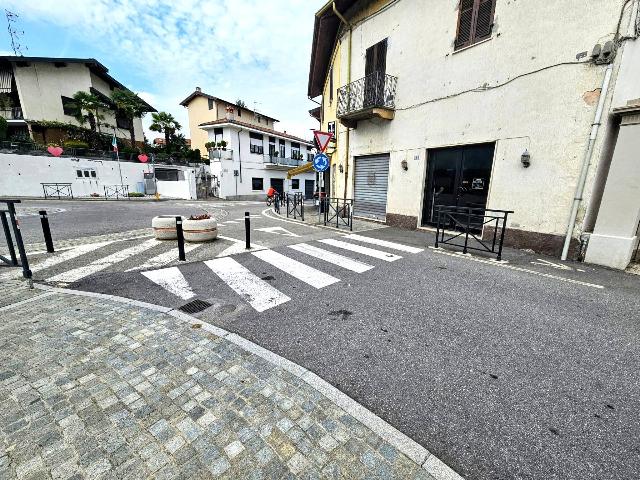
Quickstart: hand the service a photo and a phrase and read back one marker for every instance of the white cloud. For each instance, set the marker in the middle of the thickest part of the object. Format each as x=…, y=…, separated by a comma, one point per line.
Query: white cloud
x=255, y=50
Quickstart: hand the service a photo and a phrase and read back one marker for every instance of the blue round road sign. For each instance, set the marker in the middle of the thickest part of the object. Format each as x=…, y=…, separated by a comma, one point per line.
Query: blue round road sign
x=320, y=162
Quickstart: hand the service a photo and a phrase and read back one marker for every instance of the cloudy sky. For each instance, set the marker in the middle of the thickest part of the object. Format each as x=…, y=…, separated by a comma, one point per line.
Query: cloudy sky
x=256, y=50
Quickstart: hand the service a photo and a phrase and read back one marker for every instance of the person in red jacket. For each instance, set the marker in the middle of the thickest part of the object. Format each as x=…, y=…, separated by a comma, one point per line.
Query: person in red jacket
x=271, y=192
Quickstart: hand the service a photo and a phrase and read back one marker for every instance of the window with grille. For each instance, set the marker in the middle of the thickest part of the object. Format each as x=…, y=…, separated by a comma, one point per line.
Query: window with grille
x=255, y=143
x=475, y=21
x=295, y=151
x=257, y=183
x=282, y=148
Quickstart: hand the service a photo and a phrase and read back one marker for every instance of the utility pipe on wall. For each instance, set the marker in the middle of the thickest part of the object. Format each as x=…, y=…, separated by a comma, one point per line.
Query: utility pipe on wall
x=346, y=142
x=586, y=162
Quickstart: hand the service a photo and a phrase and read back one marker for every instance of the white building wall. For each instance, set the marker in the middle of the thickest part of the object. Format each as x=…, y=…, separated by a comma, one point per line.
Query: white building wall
x=23, y=175
x=549, y=113
x=250, y=165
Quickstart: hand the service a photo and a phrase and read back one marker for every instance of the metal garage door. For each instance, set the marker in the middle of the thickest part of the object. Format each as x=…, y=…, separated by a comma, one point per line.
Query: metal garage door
x=372, y=179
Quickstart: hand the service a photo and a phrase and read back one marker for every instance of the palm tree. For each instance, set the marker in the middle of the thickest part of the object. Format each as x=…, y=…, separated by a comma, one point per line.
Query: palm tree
x=131, y=106
x=164, y=122
x=91, y=104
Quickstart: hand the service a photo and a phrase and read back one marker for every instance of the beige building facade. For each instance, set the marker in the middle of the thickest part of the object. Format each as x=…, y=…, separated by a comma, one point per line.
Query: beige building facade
x=443, y=102
x=38, y=89
x=203, y=108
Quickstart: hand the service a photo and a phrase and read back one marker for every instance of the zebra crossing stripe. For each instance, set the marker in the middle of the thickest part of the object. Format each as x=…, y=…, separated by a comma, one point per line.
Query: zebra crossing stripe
x=370, y=252
x=164, y=258
x=296, y=269
x=62, y=257
x=258, y=293
x=103, y=263
x=171, y=279
x=384, y=243
x=336, y=259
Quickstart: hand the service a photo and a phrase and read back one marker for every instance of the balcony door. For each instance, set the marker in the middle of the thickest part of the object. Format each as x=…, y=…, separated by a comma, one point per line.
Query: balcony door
x=374, y=70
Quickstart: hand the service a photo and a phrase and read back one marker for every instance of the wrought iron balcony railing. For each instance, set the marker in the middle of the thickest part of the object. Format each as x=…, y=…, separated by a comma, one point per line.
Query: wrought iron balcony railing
x=277, y=160
x=375, y=90
x=11, y=113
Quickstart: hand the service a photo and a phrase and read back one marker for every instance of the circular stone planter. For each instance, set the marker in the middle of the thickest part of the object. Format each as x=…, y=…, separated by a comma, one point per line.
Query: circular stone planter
x=164, y=227
x=203, y=230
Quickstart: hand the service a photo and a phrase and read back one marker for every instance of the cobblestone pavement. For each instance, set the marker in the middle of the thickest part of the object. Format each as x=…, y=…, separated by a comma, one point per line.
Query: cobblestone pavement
x=94, y=388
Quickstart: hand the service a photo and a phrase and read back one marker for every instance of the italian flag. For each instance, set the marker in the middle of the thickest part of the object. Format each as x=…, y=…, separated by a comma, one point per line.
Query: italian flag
x=114, y=143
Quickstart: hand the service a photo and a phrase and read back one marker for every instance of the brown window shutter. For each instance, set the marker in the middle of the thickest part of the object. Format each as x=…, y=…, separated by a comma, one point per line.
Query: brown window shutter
x=484, y=19
x=369, y=65
x=381, y=54
x=465, y=23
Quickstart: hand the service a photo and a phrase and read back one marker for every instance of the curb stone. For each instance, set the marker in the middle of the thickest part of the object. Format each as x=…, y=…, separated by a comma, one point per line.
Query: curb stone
x=405, y=445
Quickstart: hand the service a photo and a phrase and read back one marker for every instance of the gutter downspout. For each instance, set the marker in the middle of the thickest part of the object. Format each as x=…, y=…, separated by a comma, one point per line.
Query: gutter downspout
x=239, y=156
x=346, y=142
x=586, y=162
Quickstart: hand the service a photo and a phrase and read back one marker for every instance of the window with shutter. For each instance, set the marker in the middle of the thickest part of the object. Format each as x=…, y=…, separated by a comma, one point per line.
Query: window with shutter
x=475, y=21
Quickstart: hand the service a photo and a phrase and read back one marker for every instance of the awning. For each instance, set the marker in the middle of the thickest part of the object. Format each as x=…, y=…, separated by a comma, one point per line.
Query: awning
x=307, y=167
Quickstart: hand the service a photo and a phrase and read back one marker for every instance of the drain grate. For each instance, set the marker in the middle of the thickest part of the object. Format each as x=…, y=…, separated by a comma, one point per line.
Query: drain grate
x=195, y=306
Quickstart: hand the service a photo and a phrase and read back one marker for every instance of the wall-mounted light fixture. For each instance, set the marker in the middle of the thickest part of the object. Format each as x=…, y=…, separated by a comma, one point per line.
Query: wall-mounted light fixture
x=404, y=165
x=526, y=158
x=341, y=168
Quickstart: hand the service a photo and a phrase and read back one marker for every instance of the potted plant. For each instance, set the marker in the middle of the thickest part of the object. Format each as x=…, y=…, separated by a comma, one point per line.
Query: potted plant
x=200, y=228
x=222, y=144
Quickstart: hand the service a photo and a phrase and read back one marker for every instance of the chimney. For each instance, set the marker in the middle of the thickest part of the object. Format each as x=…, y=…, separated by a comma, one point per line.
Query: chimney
x=198, y=89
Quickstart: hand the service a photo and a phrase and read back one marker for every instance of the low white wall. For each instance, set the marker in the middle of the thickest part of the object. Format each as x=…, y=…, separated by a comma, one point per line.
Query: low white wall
x=23, y=176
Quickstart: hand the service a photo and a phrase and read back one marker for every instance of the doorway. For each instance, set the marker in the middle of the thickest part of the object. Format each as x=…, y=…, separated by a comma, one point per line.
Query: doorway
x=278, y=184
x=309, y=189
x=457, y=177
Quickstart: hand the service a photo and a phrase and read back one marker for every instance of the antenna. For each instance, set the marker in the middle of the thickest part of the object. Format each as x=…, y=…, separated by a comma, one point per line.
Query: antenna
x=14, y=34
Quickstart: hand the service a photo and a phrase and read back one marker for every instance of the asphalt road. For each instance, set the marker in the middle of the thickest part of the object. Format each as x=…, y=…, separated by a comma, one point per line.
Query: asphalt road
x=523, y=370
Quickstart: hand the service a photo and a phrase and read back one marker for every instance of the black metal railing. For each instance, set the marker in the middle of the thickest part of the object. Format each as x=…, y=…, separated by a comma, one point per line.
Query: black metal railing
x=275, y=159
x=462, y=227
x=277, y=200
x=7, y=226
x=57, y=190
x=116, y=191
x=295, y=205
x=338, y=212
x=11, y=113
x=375, y=90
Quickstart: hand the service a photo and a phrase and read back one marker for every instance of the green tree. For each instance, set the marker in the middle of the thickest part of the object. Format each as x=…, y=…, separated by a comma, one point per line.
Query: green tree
x=88, y=107
x=131, y=106
x=164, y=122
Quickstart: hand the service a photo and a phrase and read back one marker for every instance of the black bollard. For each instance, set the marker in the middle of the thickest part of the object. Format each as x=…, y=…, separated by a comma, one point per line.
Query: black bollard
x=247, y=230
x=46, y=231
x=181, y=254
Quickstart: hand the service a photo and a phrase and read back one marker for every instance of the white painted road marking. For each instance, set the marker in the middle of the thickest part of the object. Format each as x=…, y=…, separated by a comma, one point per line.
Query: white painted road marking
x=546, y=263
x=296, y=269
x=336, y=259
x=387, y=257
x=258, y=293
x=164, y=258
x=278, y=231
x=172, y=280
x=62, y=257
x=384, y=243
x=512, y=267
x=103, y=263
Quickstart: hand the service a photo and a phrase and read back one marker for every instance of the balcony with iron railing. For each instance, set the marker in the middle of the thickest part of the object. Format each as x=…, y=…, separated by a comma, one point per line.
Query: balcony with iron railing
x=11, y=113
x=372, y=96
x=276, y=160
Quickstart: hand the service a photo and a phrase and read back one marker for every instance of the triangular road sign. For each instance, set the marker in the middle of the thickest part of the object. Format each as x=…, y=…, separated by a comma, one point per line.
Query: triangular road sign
x=322, y=139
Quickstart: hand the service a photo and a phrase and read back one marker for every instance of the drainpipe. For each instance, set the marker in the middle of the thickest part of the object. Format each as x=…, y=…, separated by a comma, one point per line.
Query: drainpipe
x=346, y=142
x=586, y=162
x=239, y=156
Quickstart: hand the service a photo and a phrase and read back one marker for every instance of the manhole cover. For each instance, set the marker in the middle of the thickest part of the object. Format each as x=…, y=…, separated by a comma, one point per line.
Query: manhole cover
x=195, y=306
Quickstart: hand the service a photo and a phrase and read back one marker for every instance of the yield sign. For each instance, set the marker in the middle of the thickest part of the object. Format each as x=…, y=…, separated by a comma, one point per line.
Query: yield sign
x=322, y=139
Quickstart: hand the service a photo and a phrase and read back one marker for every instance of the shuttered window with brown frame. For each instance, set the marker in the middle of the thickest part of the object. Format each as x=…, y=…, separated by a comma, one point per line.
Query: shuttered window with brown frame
x=475, y=21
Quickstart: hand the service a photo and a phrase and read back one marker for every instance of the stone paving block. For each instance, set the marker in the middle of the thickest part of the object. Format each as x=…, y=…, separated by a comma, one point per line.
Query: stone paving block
x=98, y=389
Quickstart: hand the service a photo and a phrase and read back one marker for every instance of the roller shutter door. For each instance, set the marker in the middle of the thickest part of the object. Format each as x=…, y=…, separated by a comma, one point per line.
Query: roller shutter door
x=372, y=180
